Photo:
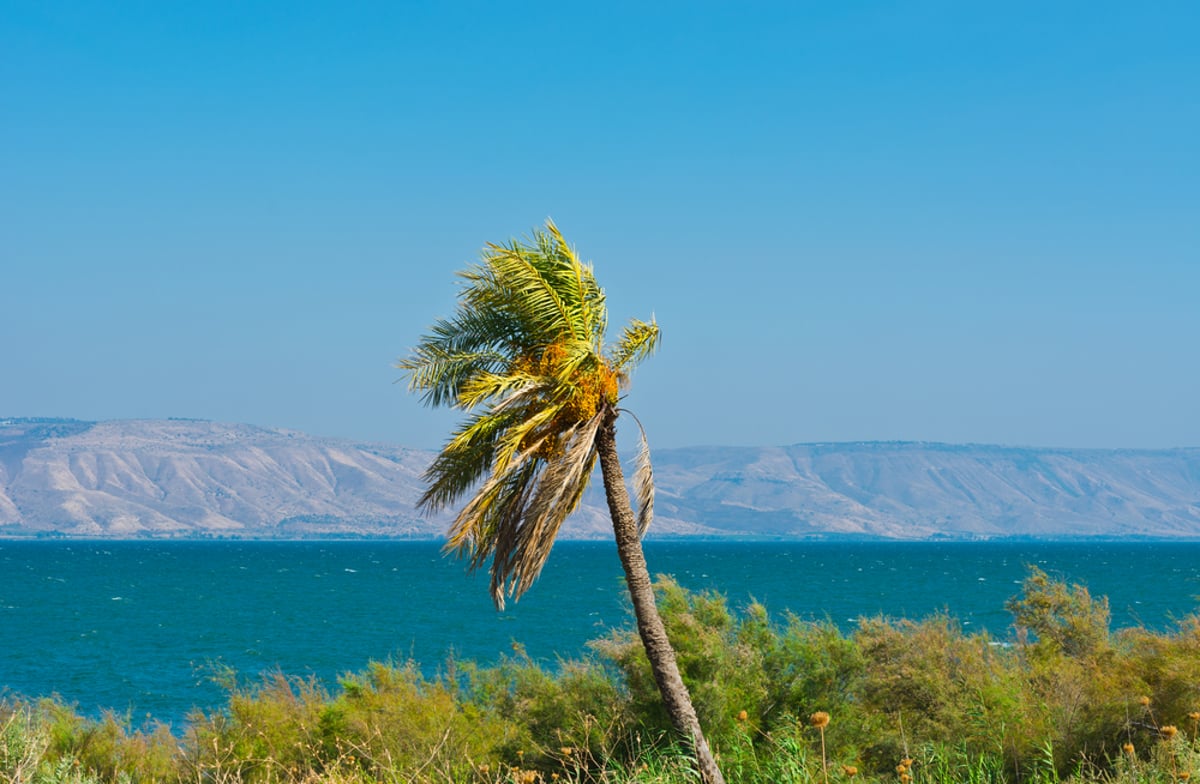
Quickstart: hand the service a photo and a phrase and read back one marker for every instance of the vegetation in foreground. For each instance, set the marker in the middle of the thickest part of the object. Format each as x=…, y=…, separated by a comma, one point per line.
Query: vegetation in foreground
x=785, y=700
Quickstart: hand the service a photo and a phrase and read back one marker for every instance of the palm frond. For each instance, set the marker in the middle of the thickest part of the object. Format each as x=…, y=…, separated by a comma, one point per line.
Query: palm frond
x=470, y=330
x=535, y=297
x=455, y=351
x=466, y=459
x=638, y=340
x=441, y=379
x=534, y=427
x=585, y=294
x=560, y=488
x=643, y=482
x=486, y=386
x=487, y=526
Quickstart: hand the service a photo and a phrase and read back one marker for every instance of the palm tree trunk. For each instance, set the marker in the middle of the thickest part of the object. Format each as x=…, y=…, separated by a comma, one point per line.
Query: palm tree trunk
x=650, y=626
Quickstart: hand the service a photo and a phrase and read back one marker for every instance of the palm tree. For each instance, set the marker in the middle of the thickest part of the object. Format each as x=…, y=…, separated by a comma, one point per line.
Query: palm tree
x=524, y=354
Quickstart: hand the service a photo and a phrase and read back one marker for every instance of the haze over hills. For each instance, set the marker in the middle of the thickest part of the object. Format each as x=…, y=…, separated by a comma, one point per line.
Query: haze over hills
x=189, y=478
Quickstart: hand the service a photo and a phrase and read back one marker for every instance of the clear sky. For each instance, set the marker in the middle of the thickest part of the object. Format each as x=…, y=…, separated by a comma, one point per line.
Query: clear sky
x=940, y=221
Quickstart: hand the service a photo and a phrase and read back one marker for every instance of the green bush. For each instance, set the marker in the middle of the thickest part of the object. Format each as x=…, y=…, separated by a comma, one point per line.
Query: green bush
x=934, y=684
x=24, y=740
x=1168, y=666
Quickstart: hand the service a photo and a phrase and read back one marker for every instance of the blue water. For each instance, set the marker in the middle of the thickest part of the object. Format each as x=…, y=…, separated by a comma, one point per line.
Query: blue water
x=140, y=627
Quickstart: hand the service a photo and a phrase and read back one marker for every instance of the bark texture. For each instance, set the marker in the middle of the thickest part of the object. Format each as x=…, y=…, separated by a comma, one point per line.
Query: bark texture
x=650, y=626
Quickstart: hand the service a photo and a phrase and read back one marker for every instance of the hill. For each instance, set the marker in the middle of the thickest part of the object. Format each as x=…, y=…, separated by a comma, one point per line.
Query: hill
x=189, y=478
x=921, y=490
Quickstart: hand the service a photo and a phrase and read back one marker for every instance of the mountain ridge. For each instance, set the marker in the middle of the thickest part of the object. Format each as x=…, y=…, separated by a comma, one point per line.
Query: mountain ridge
x=188, y=478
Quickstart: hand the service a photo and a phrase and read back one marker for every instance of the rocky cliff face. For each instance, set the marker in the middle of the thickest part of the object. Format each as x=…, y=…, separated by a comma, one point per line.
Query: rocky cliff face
x=187, y=478
x=917, y=490
x=167, y=478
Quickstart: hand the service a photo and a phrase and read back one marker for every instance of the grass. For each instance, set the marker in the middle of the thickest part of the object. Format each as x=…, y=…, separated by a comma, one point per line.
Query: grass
x=783, y=700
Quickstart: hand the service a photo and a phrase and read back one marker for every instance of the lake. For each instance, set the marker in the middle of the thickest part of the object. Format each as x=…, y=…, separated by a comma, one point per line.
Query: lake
x=140, y=627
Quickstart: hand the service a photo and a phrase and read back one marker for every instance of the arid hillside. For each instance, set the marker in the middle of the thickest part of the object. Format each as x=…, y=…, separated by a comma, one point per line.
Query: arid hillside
x=187, y=478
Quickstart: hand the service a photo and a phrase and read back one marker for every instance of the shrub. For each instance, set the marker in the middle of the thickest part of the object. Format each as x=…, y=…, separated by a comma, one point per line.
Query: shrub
x=937, y=685
x=810, y=666
x=23, y=742
x=1168, y=667
x=1065, y=619
x=721, y=660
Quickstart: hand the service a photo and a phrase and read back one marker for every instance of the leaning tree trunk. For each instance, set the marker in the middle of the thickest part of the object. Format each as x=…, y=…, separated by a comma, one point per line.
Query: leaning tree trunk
x=650, y=626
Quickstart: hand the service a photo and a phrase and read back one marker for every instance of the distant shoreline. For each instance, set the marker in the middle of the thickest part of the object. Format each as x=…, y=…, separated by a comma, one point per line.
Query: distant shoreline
x=649, y=541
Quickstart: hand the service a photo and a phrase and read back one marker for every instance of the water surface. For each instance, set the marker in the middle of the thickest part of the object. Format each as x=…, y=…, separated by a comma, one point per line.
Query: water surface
x=140, y=627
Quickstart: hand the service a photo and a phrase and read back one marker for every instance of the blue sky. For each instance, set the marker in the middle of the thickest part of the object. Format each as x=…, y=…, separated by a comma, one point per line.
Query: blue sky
x=939, y=221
